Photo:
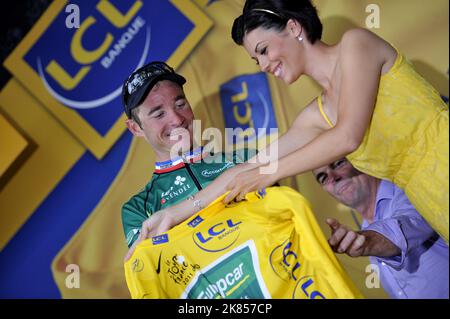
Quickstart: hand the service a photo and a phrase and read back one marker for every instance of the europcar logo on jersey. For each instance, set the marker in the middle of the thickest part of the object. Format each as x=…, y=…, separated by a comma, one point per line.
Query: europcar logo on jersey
x=216, y=171
x=160, y=239
x=83, y=68
x=180, y=188
x=234, y=275
x=285, y=262
x=218, y=236
x=247, y=103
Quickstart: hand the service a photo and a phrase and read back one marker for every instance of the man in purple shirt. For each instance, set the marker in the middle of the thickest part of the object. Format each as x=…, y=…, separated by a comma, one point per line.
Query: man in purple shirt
x=411, y=257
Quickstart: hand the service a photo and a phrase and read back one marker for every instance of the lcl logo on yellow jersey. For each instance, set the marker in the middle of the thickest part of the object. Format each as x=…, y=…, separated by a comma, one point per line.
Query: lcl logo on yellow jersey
x=285, y=262
x=78, y=72
x=306, y=287
x=219, y=236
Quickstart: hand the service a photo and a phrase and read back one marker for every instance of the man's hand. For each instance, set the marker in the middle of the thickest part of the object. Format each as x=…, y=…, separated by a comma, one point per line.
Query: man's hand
x=343, y=240
x=363, y=243
x=158, y=223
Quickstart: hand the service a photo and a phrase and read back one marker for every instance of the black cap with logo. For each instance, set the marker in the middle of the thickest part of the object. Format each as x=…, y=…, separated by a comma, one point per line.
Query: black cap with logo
x=140, y=82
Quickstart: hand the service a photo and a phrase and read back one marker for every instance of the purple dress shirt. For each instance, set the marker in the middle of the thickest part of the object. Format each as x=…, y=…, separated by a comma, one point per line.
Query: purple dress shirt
x=421, y=271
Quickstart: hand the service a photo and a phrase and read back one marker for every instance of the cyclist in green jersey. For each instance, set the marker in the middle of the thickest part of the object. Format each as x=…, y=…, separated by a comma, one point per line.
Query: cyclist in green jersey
x=158, y=111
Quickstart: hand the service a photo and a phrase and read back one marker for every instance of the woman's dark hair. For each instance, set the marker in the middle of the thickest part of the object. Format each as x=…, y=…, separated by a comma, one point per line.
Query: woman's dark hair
x=276, y=17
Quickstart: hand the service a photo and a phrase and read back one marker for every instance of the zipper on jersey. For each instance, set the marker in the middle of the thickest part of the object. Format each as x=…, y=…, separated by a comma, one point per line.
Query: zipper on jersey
x=196, y=182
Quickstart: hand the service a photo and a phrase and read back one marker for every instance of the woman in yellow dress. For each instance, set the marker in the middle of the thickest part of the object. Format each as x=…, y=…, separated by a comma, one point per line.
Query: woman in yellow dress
x=374, y=109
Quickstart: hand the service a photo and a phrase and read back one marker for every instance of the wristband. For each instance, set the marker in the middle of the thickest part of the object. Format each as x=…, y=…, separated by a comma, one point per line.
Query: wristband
x=197, y=202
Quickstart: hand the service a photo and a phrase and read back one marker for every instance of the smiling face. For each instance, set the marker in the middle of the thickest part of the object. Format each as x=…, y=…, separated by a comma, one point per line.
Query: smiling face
x=278, y=53
x=165, y=113
x=344, y=182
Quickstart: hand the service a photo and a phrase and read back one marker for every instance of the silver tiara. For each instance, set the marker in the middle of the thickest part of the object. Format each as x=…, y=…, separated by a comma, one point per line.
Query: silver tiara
x=268, y=11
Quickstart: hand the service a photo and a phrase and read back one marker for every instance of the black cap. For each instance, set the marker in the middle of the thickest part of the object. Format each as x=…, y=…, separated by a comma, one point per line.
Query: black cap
x=136, y=88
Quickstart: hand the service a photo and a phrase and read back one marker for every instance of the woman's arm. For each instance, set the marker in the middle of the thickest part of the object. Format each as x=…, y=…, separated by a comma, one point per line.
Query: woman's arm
x=182, y=211
x=303, y=130
x=169, y=217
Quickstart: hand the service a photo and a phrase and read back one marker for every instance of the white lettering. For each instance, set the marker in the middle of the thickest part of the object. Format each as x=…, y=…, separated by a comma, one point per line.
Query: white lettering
x=373, y=279
x=373, y=19
x=73, y=280
x=195, y=309
x=122, y=43
x=222, y=285
x=73, y=19
x=207, y=173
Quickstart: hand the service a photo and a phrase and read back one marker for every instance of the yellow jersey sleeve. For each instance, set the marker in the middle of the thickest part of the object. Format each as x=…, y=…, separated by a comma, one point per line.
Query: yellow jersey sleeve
x=268, y=246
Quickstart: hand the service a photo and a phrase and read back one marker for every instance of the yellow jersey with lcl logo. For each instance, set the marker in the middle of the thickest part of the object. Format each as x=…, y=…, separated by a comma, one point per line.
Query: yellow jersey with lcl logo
x=268, y=246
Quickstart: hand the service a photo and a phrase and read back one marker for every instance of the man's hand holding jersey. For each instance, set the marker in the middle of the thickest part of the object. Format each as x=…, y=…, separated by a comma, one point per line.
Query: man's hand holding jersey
x=158, y=223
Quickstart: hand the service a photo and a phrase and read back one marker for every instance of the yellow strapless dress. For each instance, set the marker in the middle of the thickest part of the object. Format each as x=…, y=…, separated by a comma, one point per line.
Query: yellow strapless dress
x=407, y=142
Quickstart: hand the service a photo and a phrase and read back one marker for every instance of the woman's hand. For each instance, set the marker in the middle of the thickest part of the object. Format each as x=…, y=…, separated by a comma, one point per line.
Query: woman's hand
x=156, y=224
x=248, y=181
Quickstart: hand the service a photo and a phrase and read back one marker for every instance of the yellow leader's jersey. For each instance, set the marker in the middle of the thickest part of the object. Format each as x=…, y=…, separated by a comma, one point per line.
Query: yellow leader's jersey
x=268, y=246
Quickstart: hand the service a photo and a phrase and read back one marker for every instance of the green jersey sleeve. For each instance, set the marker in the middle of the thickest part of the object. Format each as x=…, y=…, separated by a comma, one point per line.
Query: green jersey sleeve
x=133, y=215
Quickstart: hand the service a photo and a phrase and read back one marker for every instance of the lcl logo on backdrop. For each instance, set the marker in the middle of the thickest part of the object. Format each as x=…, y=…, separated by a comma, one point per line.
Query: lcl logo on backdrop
x=102, y=49
x=247, y=104
x=78, y=72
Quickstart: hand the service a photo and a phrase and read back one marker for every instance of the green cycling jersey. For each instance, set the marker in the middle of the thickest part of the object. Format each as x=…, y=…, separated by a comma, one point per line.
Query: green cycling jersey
x=174, y=181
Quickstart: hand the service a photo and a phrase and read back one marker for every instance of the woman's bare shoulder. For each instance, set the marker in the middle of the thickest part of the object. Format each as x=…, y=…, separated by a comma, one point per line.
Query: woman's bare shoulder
x=363, y=43
x=360, y=35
